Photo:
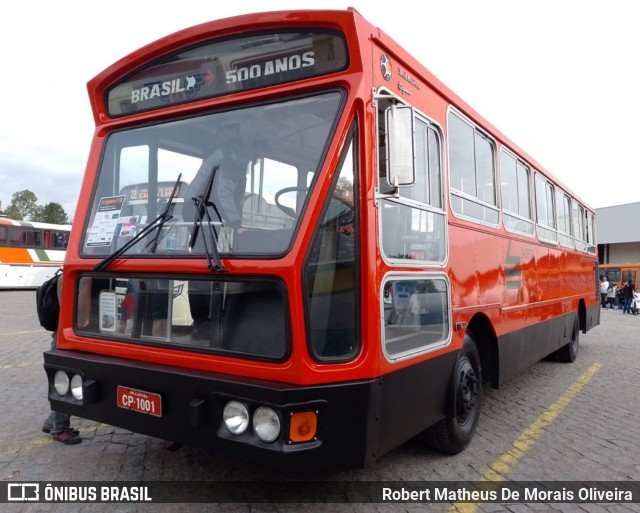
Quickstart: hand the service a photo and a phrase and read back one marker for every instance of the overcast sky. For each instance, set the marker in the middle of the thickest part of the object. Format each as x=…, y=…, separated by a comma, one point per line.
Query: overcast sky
x=561, y=78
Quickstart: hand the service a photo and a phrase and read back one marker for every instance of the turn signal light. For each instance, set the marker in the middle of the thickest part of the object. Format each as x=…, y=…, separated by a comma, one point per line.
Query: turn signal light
x=303, y=426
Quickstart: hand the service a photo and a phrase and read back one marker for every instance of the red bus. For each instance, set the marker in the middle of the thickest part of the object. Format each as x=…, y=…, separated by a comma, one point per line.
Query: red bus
x=357, y=248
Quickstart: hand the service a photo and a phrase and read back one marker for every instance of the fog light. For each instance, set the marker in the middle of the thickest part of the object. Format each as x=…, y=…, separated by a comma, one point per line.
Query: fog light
x=61, y=383
x=76, y=387
x=236, y=417
x=266, y=424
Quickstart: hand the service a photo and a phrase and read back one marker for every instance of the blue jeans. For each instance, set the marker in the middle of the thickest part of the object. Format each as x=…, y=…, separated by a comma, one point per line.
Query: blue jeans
x=627, y=306
x=58, y=421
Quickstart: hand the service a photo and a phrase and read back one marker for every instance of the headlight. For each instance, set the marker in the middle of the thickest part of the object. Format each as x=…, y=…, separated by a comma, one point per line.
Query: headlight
x=266, y=424
x=236, y=417
x=61, y=383
x=76, y=387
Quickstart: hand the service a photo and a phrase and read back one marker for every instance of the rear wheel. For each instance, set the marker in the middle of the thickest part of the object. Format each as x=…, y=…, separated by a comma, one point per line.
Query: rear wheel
x=453, y=433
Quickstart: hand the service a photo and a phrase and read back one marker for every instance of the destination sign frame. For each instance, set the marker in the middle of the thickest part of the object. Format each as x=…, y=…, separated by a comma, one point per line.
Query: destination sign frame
x=228, y=66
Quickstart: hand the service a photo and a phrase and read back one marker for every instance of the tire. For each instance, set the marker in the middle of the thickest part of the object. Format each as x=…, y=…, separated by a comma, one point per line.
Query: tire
x=453, y=433
x=569, y=352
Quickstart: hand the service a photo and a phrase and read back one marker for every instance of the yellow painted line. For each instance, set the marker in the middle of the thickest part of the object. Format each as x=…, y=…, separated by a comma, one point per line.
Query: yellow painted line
x=21, y=364
x=13, y=333
x=44, y=441
x=498, y=471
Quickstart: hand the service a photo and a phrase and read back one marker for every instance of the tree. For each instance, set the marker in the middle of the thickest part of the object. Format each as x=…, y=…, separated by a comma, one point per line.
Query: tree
x=23, y=206
x=52, y=213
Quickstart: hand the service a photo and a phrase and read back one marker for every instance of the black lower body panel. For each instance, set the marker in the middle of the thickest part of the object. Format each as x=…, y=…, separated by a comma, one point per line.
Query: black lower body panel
x=192, y=402
x=357, y=421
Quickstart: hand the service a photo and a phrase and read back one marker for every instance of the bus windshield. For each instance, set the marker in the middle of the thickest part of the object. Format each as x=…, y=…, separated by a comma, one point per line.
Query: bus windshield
x=244, y=175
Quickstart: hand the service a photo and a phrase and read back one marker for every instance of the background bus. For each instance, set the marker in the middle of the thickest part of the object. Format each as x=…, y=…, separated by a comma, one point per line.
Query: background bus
x=619, y=274
x=361, y=249
x=30, y=252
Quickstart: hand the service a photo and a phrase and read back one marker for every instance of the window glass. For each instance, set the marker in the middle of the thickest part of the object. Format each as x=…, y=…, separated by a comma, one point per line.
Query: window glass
x=516, y=201
x=579, y=231
x=416, y=315
x=239, y=317
x=435, y=174
x=25, y=237
x=3, y=235
x=629, y=275
x=411, y=233
x=563, y=210
x=509, y=182
x=420, y=191
x=613, y=274
x=331, y=273
x=545, y=210
x=524, y=191
x=250, y=168
x=541, y=201
x=413, y=224
x=472, y=169
x=485, y=170
x=591, y=236
x=461, y=155
x=426, y=188
x=58, y=239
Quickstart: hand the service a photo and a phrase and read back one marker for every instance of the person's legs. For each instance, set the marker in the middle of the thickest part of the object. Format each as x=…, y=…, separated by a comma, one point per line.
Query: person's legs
x=58, y=425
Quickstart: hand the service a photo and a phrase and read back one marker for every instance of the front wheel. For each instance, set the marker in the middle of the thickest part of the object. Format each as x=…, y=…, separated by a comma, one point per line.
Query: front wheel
x=453, y=433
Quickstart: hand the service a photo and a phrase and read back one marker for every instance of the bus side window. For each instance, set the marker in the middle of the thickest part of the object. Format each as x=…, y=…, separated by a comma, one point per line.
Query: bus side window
x=472, y=170
x=413, y=224
x=416, y=315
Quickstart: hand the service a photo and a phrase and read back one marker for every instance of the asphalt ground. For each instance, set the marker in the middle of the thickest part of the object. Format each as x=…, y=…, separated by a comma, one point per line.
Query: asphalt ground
x=560, y=422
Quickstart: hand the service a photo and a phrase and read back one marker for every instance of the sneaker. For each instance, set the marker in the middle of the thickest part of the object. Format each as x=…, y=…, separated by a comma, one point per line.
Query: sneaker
x=67, y=437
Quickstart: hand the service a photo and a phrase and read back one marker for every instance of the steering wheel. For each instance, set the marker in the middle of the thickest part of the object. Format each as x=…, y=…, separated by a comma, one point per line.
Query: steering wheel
x=288, y=210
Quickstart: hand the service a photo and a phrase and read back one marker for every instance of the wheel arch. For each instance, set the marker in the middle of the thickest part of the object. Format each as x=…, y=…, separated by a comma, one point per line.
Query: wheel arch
x=487, y=344
x=582, y=315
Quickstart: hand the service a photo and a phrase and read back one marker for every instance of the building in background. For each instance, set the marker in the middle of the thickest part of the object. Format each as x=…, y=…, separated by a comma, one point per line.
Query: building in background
x=618, y=231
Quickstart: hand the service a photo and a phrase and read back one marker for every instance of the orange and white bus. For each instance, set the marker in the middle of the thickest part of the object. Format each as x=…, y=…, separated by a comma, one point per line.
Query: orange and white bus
x=360, y=250
x=30, y=252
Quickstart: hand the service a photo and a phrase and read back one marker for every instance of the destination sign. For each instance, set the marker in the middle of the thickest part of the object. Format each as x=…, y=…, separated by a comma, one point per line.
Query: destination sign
x=226, y=67
x=141, y=191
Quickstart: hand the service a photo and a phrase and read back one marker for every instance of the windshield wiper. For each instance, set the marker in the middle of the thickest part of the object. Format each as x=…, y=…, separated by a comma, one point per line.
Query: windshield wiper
x=163, y=218
x=202, y=204
x=158, y=223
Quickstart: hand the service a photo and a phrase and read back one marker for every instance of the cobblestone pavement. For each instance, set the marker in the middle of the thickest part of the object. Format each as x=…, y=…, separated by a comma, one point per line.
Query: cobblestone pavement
x=594, y=436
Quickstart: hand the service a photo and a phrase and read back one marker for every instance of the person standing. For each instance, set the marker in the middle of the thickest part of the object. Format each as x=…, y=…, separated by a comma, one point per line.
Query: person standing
x=604, y=287
x=611, y=295
x=57, y=424
x=627, y=294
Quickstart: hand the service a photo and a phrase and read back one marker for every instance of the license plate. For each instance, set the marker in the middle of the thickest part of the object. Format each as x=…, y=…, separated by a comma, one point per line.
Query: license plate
x=140, y=401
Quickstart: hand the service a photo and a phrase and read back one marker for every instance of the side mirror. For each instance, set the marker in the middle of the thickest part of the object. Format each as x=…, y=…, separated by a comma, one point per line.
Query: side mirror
x=401, y=169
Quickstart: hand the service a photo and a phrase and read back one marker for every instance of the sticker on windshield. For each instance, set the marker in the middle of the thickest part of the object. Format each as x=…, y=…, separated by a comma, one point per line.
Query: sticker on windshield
x=105, y=221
